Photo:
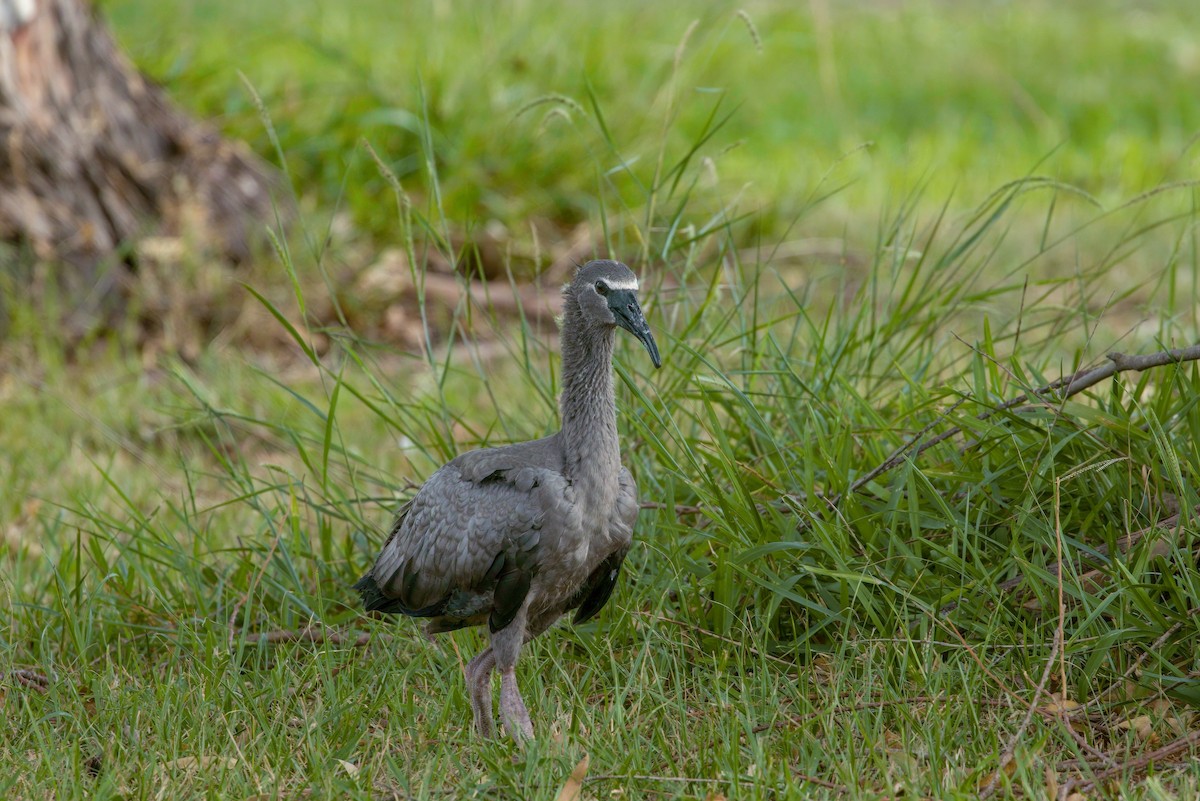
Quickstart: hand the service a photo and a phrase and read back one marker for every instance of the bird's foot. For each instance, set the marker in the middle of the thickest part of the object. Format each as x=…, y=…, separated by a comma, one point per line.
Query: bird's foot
x=479, y=686
x=481, y=704
x=483, y=724
x=512, y=708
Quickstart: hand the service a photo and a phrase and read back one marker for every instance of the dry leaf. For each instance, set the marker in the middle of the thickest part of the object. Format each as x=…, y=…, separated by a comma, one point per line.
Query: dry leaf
x=1179, y=720
x=350, y=768
x=1057, y=705
x=1161, y=707
x=1051, y=782
x=1142, y=726
x=821, y=668
x=573, y=789
x=559, y=727
x=1007, y=771
x=201, y=763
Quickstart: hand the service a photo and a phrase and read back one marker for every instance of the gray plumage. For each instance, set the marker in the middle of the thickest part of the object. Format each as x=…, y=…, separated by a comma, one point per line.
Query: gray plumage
x=517, y=536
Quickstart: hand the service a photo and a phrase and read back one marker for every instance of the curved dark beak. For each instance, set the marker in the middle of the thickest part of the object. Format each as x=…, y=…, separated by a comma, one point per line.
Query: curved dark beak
x=628, y=313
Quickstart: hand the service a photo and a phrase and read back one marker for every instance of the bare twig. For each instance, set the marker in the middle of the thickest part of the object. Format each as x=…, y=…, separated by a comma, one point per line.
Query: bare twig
x=828, y=785
x=1011, y=749
x=1064, y=716
x=1058, y=391
x=796, y=720
x=1032, y=706
x=608, y=777
x=1056, y=651
x=698, y=630
x=258, y=574
x=643, y=777
x=1170, y=749
x=1062, y=604
x=1095, y=578
x=679, y=508
x=897, y=456
x=314, y=635
x=949, y=626
x=1137, y=664
x=31, y=679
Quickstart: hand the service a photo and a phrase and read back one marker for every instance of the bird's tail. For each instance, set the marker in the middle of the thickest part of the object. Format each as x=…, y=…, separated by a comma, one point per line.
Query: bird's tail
x=372, y=596
x=375, y=600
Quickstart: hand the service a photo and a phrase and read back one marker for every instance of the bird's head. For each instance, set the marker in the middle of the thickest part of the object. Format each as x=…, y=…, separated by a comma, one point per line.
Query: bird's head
x=606, y=292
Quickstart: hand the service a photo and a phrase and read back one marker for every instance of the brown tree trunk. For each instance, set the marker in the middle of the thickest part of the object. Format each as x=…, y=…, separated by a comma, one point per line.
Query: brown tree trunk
x=93, y=155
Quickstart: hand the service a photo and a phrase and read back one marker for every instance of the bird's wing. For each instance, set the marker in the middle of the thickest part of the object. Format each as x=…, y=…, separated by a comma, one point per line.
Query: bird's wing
x=467, y=543
x=625, y=511
x=595, y=592
x=598, y=588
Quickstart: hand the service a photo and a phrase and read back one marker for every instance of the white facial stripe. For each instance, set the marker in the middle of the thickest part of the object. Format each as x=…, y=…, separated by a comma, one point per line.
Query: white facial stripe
x=632, y=284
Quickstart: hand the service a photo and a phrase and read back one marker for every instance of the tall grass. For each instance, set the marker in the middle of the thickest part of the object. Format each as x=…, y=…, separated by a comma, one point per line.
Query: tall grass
x=777, y=393
x=767, y=641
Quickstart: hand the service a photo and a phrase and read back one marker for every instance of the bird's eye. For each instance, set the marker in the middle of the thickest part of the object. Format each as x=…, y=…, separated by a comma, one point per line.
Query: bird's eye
x=601, y=288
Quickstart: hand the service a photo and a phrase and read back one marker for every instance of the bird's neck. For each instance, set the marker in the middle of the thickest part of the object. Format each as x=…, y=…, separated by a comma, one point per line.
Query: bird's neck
x=589, y=415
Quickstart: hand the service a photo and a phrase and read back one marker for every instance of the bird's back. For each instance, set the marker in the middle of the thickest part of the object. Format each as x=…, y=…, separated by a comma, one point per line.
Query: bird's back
x=474, y=534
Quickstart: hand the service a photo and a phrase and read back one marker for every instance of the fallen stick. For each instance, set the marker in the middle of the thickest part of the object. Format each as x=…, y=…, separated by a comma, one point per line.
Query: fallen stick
x=31, y=679
x=1096, y=577
x=1170, y=749
x=679, y=508
x=796, y=720
x=322, y=635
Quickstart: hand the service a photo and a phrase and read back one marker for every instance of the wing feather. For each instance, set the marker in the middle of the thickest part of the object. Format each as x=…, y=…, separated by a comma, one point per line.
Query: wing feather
x=594, y=594
x=467, y=543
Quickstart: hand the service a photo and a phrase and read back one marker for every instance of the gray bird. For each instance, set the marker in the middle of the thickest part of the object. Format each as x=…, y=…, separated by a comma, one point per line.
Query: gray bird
x=519, y=535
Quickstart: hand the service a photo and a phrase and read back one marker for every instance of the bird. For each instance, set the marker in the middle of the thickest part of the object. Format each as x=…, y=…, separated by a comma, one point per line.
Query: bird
x=517, y=536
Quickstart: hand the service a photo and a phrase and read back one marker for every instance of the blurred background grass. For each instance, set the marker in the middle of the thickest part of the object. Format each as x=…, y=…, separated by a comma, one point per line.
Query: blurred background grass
x=957, y=97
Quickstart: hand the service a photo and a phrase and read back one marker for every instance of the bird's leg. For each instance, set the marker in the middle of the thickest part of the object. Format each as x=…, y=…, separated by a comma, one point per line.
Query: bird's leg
x=506, y=644
x=512, y=707
x=479, y=685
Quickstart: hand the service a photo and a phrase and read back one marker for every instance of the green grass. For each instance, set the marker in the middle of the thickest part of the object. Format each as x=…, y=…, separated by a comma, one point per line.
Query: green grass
x=962, y=97
x=160, y=511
